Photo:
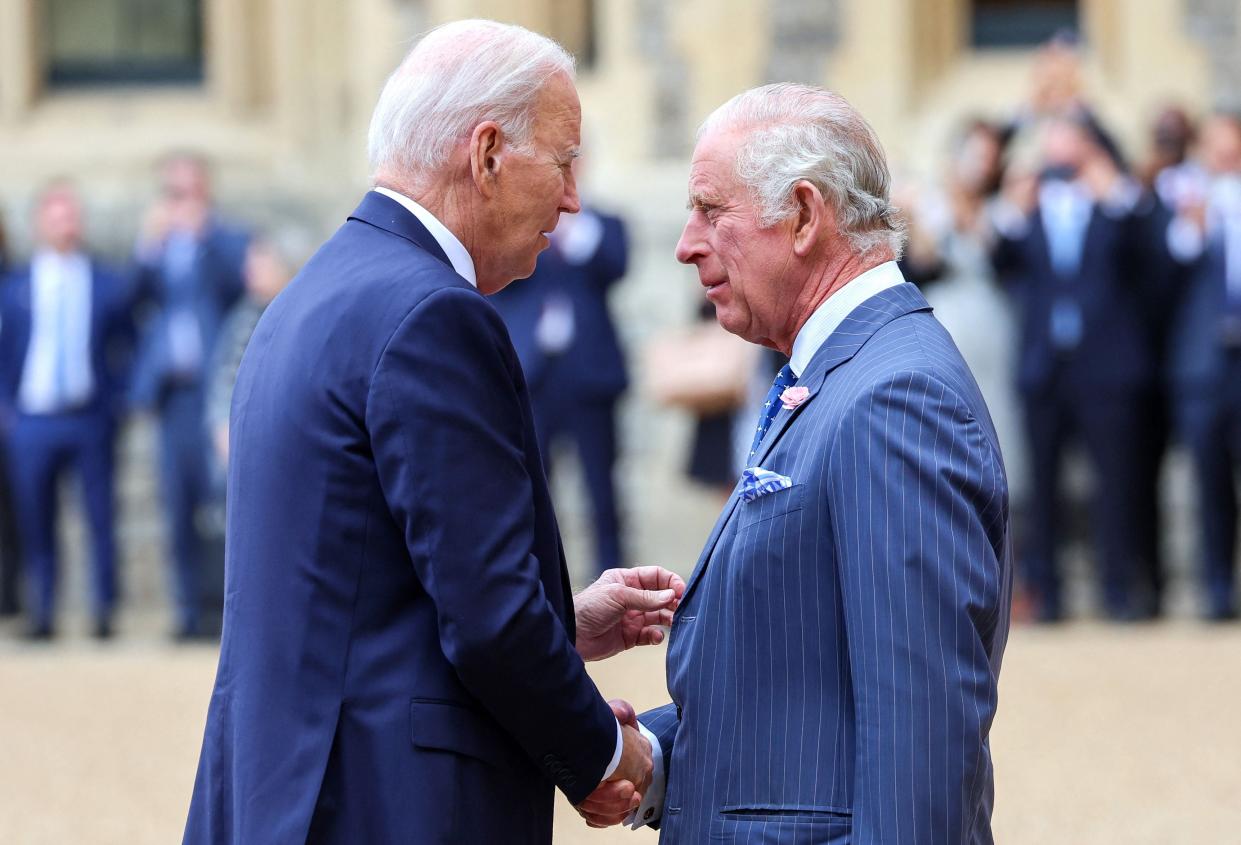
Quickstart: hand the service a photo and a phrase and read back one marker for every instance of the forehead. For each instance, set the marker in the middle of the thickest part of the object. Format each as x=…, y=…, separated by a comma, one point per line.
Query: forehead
x=1222, y=128
x=713, y=170
x=59, y=200
x=559, y=113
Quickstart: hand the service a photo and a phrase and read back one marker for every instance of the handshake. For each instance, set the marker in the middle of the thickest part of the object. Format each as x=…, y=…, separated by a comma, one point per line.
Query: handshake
x=623, y=609
x=621, y=794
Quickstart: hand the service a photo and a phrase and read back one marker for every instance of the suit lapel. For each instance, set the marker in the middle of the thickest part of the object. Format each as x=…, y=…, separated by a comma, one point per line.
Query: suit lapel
x=840, y=346
x=386, y=213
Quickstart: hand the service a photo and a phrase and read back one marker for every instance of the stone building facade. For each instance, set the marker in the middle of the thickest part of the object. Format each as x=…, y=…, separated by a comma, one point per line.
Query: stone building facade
x=284, y=88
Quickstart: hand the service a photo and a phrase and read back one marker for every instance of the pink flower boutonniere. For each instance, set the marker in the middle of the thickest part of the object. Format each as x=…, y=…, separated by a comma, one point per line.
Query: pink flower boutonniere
x=794, y=396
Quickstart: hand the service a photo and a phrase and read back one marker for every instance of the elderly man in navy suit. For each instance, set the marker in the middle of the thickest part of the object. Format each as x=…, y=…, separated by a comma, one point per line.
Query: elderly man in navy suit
x=63, y=346
x=402, y=658
x=834, y=660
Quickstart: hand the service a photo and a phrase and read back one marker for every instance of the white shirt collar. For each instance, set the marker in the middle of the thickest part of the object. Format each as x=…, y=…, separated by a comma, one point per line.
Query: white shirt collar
x=457, y=255
x=47, y=260
x=833, y=311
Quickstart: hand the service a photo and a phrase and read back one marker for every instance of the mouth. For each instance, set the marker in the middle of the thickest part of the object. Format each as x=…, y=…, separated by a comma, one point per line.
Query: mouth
x=714, y=287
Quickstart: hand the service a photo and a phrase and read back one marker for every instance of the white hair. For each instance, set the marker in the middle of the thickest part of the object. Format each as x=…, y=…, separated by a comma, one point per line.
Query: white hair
x=457, y=76
x=804, y=133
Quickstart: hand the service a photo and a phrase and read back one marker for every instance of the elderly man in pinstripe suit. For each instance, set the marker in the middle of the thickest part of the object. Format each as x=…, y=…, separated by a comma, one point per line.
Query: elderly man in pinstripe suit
x=833, y=663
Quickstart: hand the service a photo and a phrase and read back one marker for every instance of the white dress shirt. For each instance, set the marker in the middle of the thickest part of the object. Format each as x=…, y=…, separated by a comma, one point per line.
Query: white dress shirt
x=813, y=334
x=457, y=256
x=1065, y=211
x=833, y=311
x=463, y=264
x=57, y=374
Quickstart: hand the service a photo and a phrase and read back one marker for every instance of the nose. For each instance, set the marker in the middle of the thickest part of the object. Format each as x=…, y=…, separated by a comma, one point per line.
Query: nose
x=570, y=203
x=690, y=247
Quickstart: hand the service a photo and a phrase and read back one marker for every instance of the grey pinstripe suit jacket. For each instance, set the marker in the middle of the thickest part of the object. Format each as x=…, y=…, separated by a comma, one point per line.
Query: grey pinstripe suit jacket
x=833, y=665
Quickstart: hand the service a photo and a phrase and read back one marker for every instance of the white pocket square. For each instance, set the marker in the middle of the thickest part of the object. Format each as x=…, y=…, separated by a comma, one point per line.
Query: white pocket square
x=756, y=481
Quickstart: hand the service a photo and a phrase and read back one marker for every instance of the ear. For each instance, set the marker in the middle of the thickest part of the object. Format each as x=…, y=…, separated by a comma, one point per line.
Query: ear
x=812, y=218
x=486, y=144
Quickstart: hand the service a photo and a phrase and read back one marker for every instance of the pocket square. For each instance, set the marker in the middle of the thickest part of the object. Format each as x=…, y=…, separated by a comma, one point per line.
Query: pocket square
x=756, y=481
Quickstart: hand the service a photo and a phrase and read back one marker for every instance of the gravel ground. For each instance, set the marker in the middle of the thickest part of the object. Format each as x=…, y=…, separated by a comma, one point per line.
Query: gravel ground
x=1105, y=735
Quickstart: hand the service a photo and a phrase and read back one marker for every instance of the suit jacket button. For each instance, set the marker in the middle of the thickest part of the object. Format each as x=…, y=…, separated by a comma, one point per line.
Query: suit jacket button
x=649, y=814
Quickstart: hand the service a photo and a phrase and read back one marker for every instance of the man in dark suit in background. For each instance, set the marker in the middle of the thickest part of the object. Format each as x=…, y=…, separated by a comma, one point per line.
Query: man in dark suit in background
x=1205, y=237
x=402, y=658
x=65, y=331
x=189, y=276
x=10, y=553
x=566, y=342
x=1084, y=362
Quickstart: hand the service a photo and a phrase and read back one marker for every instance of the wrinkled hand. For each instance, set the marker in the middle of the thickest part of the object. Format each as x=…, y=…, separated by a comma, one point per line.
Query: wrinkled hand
x=625, y=608
x=613, y=801
x=1101, y=175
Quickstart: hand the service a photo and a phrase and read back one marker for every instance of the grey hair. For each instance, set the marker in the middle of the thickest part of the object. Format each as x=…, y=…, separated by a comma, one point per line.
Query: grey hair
x=804, y=133
x=457, y=76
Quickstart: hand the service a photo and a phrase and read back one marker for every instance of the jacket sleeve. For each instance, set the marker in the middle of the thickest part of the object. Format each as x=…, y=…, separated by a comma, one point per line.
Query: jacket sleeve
x=446, y=423
x=611, y=260
x=919, y=513
x=663, y=722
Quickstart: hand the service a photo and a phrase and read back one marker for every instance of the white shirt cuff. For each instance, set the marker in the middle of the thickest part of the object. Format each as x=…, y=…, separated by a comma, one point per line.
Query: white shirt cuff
x=1123, y=198
x=652, y=806
x=1185, y=240
x=616, y=756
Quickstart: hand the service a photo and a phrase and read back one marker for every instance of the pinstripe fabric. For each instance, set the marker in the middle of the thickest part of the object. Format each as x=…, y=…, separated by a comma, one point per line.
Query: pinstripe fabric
x=833, y=664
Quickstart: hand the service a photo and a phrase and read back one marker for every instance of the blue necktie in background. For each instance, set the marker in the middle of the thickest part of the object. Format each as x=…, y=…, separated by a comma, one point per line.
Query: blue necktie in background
x=60, y=349
x=784, y=380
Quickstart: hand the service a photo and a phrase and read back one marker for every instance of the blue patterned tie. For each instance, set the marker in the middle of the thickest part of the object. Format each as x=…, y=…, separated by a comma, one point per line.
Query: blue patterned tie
x=784, y=380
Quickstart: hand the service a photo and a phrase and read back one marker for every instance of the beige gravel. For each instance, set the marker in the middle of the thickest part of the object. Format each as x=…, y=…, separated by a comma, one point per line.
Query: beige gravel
x=1105, y=735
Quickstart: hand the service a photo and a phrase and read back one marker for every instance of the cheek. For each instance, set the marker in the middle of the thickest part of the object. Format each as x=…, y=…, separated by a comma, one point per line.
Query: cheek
x=731, y=248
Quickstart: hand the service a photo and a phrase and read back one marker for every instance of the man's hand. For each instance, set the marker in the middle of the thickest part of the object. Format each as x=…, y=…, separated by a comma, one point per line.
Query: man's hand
x=625, y=608
x=613, y=801
x=1101, y=175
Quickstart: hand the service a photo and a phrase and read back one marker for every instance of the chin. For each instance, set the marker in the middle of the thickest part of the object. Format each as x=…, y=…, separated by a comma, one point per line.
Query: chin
x=731, y=322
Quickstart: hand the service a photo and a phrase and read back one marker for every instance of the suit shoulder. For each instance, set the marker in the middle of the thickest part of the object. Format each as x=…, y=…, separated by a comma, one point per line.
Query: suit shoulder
x=914, y=352
x=461, y=319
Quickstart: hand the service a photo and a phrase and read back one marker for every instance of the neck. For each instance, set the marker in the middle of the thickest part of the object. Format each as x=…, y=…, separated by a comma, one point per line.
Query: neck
x=61, y=249
x=840, y=268
x=445, y=200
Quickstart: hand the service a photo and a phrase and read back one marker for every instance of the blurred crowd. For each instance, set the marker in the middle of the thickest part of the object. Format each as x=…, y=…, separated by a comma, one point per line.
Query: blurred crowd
x=1096, y=293
x=83, y=344
x=1094, y=290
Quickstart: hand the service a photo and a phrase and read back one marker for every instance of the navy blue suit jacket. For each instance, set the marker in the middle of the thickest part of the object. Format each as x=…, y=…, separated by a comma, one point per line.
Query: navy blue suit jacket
x=834, y=661
x=1114, y=352
x=111, y=340
x=398, y=659
x=1197, y=357
x=593, y=366
x=214, y=283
